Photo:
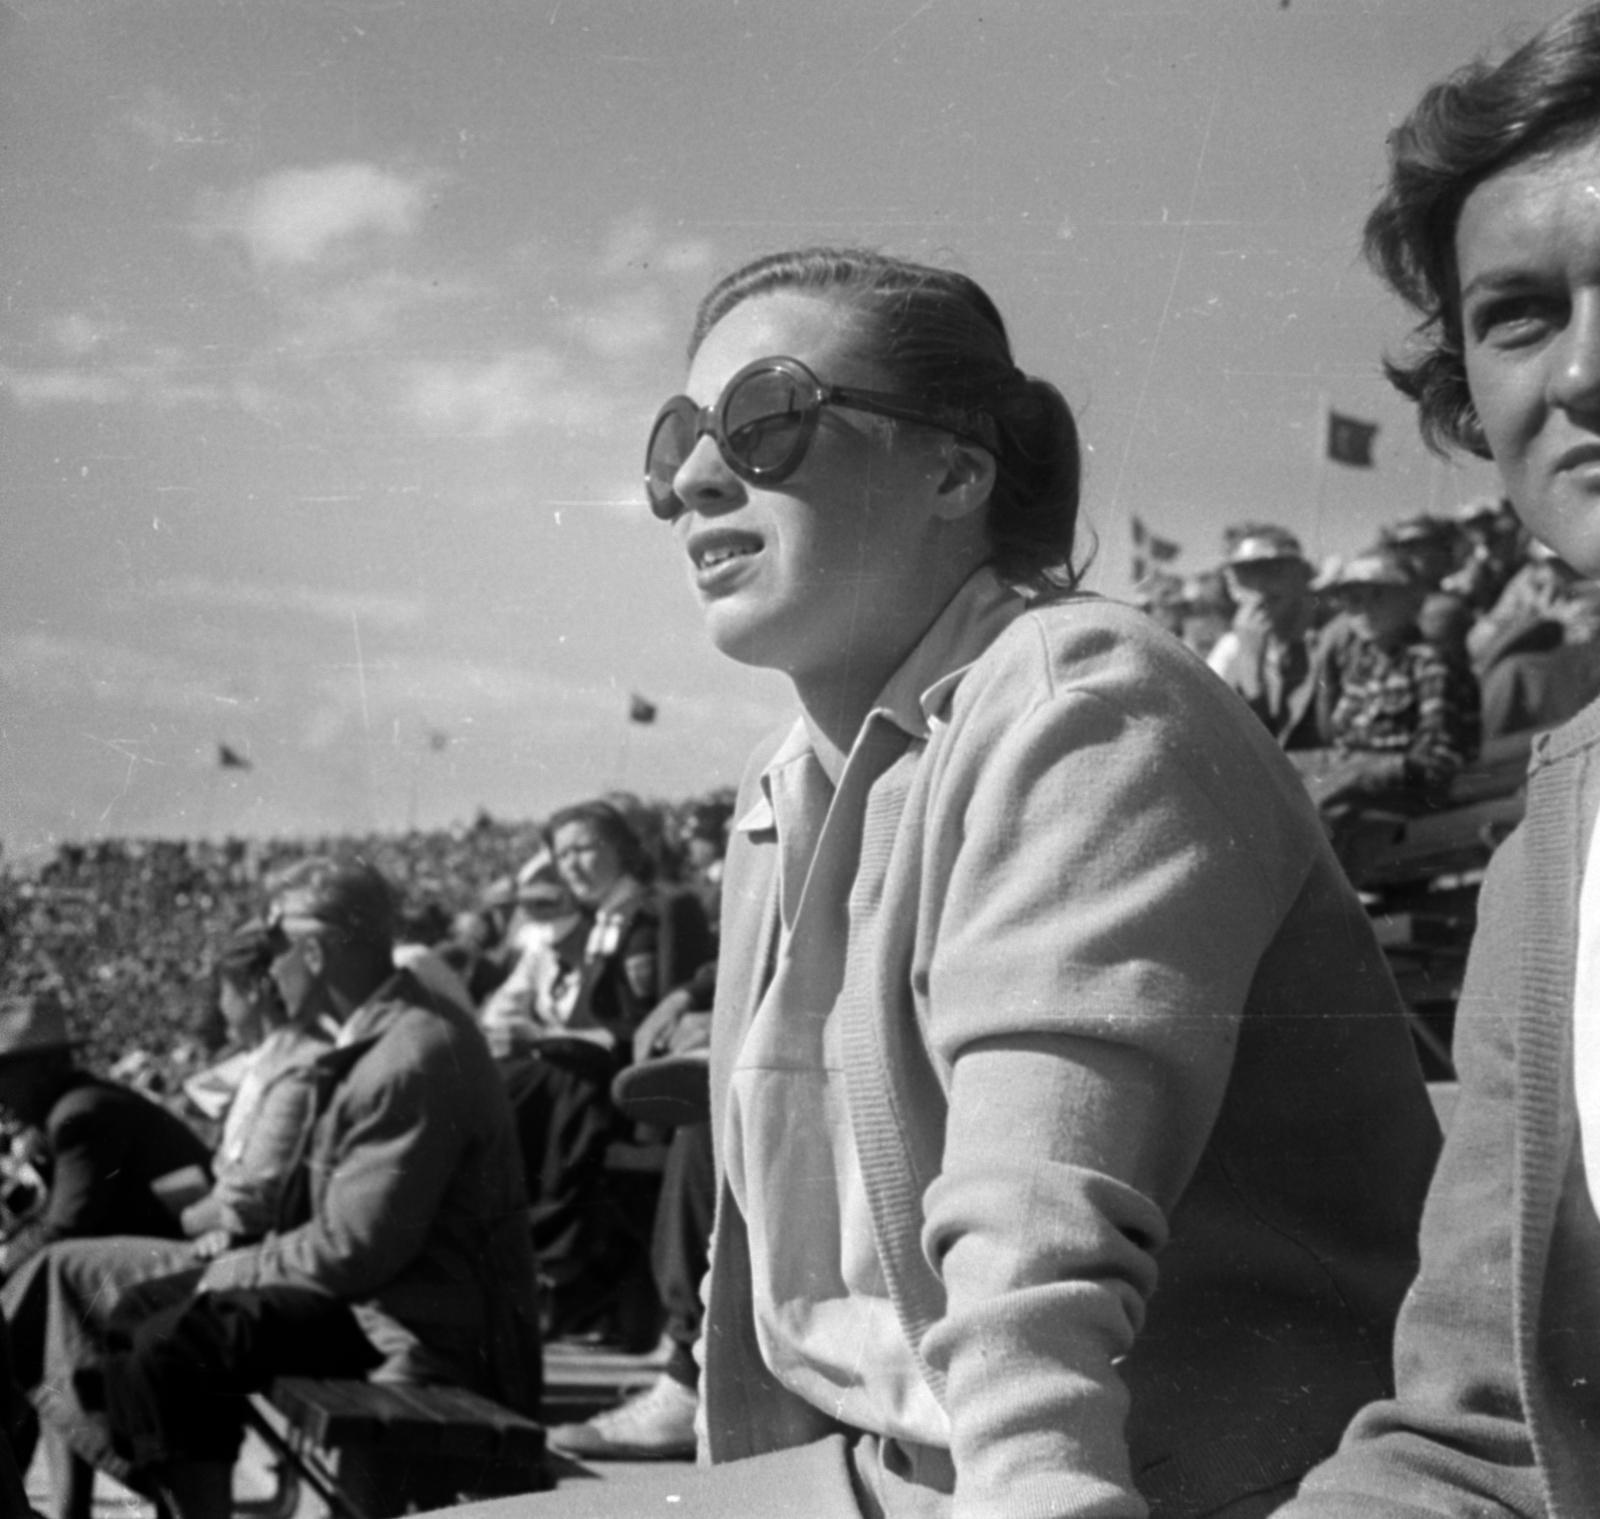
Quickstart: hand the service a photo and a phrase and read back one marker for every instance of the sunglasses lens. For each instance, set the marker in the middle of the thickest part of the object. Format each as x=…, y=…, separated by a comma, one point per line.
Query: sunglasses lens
x=767, y=419
x=671, y=442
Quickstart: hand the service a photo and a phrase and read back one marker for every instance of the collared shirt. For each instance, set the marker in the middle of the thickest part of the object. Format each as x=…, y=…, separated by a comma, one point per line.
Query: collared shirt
x=1410, y=701
x=824, y=1318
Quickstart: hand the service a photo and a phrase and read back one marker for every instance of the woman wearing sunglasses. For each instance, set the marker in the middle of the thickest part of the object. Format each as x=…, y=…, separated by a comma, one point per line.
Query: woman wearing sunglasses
x=1035, y=964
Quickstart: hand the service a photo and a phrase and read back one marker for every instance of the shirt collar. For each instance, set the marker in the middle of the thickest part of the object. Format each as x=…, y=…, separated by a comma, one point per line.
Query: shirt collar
x=917, y=695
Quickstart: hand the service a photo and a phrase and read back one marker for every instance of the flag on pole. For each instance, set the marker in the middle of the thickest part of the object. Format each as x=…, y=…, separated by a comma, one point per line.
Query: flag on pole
x=229, y=758
x=1149, y=549
x=1349, y=440
x=438, y=740
x=640, y=710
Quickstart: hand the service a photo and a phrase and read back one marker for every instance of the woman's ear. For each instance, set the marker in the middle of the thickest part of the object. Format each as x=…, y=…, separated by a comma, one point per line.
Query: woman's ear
x=967, y=481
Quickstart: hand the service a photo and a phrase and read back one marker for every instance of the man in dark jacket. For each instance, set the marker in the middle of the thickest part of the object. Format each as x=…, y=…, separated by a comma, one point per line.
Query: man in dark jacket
x=409, y=1258
x=106, y=1143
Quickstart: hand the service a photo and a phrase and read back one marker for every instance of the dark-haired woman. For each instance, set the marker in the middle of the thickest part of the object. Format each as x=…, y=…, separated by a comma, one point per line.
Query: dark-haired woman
x=642, y=943
x=1035, y=964
x=1490, y=230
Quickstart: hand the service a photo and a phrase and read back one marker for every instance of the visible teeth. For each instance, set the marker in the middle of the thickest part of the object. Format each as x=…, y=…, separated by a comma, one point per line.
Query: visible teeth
x=713, y=557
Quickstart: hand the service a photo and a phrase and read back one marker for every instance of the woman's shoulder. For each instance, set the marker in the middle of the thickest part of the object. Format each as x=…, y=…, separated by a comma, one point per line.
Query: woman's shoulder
x=1081, y=642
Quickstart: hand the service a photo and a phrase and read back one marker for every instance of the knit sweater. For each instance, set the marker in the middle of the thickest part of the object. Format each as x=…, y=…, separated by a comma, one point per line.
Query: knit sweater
x=1497, y=1359
x=1108, y=1001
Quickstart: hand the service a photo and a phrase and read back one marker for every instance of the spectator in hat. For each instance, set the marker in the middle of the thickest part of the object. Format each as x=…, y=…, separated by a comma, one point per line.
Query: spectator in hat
x=1400, y=713
x=58, y=1304
x=105, y=1143
x=1494, y=541
x=1434, y=546
x=412, y=1259
x=1269, y=654
x=1208, y=610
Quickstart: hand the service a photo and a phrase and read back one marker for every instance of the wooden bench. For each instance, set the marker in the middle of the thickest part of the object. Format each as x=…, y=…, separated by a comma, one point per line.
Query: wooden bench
x=372, y=1451
x=1420, y=877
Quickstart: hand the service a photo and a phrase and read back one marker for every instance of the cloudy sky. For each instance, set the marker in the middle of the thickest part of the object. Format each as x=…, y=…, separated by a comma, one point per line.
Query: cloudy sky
x=331, y=331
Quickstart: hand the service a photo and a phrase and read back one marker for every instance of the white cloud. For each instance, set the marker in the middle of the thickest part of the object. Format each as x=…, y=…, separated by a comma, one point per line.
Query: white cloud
x=45, y=387
x=385, y=611
x=627, y=326
x=357, y=311
x=77, y=333
x=497, y=397
x=634, y=244
x=298, y=217
x=46, y=665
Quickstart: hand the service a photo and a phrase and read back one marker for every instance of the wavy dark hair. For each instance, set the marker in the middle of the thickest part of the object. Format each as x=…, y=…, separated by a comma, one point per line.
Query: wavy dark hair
x=936, y=334
x=1484, y=118
x=613, y=827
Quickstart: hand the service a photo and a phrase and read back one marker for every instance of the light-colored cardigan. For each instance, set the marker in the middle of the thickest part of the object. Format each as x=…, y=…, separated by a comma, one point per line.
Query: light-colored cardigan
x=1107, y=994
x=1497, y=1355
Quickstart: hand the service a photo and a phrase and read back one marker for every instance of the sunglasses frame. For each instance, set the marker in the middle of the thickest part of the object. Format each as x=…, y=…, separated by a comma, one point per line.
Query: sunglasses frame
x=974, y=427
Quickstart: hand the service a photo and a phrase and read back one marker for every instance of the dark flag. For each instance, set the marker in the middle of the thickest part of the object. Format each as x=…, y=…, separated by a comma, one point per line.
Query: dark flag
x=1350, y=440
x=640, y=710
x=1163, y=550
x=438, y=740
x=1149, y=549
x=230, y=759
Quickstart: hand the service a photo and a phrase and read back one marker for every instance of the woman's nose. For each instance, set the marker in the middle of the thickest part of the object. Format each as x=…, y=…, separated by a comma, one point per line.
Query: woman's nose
x=1575, y=384
x=704, y=482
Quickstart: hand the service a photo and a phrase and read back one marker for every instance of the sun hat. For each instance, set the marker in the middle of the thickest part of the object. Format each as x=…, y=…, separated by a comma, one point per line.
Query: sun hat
x=32, y=1025
x=1378, y=567
x=1266, y=545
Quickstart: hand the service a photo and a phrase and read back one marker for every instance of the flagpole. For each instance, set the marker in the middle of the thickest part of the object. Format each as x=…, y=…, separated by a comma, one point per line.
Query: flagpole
x=1325, y=413
x=622, y=755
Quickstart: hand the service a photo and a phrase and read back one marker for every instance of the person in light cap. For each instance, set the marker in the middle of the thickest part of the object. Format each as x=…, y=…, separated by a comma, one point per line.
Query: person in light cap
x=1399, y=712
x=409, y=1259
x=1269, y=654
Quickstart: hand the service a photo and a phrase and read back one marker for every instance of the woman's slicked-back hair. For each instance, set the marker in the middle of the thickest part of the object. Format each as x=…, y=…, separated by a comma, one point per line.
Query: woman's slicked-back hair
x=1483, y=118
x=613, y=827
x=936, y=335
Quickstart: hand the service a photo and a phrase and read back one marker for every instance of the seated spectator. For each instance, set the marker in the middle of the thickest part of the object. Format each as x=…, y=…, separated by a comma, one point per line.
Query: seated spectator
x=411, y=1262
x=539, y=999
x=1208, y=610
x=639, y=939
x=1494, y=541
x=1402, y=718
x=58, y=1305
x=272, y=1106
x=1545, y=605
x=672, y=1043
x=1434, y=546
x=1490, y=230
x=706, y=845
x=105, y=1145
x=642, y=943
x=1268, y=655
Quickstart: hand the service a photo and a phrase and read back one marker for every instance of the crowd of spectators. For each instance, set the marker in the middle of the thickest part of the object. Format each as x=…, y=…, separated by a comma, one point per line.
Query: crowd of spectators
x=124, y=931
x=1383, y=674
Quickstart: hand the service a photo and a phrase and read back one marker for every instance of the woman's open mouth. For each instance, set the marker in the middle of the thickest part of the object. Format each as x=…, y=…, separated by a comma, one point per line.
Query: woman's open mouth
x=716, y=553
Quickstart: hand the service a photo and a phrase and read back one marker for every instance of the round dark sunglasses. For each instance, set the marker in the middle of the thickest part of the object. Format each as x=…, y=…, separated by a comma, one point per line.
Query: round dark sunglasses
x=764, y=420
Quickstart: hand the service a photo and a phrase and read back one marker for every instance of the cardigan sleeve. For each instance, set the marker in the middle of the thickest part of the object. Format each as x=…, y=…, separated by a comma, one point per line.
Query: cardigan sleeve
x=1105, y=903
x=1454, y=1439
